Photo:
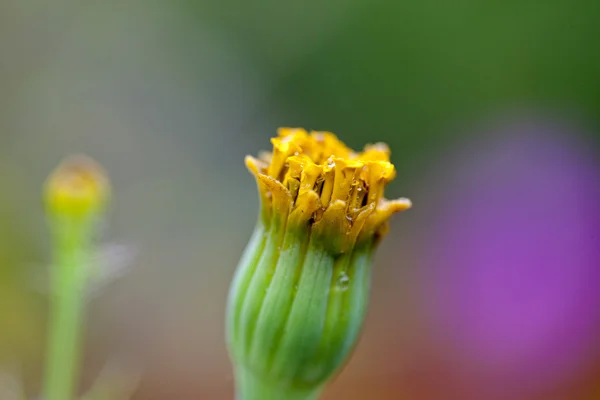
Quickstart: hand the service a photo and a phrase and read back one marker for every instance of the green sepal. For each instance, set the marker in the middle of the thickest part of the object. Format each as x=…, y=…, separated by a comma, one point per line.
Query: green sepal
x=295, y=310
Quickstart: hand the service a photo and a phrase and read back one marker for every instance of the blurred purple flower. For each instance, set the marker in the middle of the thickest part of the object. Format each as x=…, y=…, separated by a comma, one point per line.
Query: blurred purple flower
x=512, y=271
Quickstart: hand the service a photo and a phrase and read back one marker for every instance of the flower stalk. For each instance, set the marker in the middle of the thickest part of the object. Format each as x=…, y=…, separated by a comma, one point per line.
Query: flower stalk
x=299, y=295
x=75, y=195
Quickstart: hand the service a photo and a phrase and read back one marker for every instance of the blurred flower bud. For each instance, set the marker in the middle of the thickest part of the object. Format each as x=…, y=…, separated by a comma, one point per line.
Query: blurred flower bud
x=78, y=187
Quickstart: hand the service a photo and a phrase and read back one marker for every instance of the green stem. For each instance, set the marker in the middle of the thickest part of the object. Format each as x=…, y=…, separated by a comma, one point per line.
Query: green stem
x=68, y=279
x=249, y=387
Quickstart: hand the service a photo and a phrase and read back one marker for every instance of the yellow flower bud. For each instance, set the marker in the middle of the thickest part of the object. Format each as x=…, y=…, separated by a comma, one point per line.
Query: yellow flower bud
x=299, y=295
x=78, y=187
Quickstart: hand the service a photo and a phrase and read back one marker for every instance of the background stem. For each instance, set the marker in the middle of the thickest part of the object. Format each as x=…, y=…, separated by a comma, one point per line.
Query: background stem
x=68, y=279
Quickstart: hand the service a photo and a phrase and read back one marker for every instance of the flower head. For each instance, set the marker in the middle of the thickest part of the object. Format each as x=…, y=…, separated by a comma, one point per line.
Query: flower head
x=77, y=187
x=299, y=296
x=314, y=179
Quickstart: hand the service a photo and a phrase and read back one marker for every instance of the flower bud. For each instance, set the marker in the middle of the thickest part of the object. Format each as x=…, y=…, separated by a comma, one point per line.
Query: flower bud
x=78, y=187
x=75, y=195
x=298, y=299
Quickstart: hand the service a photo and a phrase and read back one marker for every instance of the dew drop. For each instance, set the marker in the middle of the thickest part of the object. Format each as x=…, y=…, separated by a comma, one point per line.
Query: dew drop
x=342, y=282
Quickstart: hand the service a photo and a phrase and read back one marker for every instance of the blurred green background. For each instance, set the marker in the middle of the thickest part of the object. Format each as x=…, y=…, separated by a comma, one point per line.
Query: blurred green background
x=170, y=96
